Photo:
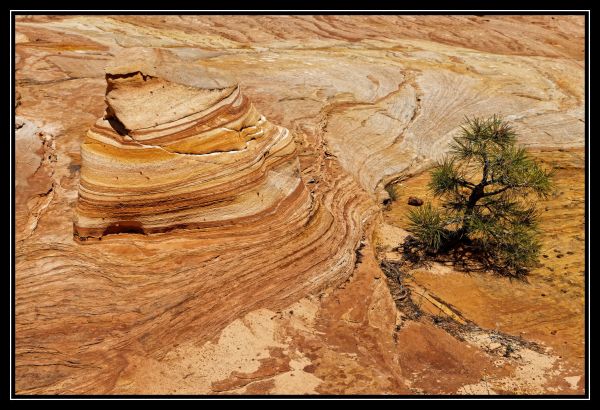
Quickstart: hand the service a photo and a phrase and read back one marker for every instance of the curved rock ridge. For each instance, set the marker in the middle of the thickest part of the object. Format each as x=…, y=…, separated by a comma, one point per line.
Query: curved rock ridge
x=181, y=149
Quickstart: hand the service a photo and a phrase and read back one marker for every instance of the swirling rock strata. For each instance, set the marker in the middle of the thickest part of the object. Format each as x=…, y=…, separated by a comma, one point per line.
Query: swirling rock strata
x=255, y=307
x=180, y=149
x=208, y=160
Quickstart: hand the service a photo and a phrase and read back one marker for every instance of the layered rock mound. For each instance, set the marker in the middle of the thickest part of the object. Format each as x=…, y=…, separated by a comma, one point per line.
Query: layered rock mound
x=180, y=147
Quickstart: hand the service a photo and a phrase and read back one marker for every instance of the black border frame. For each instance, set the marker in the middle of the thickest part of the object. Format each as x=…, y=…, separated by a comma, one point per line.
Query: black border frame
x=586, y=13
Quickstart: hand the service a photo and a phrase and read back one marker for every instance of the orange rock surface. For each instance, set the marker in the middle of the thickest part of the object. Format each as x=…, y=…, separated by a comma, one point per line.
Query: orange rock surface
x=177, y=149
x=227, y=174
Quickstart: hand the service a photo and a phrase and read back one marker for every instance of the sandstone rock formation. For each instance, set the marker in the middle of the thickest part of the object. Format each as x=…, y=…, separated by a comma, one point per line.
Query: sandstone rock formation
x=179, y=149
x=248, y=251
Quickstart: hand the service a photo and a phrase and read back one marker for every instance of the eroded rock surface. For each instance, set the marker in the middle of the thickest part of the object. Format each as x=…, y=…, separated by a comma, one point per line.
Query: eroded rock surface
x=246, y=259
x=179, y=149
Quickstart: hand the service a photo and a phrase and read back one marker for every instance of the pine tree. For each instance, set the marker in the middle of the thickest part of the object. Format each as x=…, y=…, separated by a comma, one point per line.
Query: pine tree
x=486, y=185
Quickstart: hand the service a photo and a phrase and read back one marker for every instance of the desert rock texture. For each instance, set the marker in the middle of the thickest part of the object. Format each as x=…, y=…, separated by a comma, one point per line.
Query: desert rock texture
x=202, y=204
x=182, y=154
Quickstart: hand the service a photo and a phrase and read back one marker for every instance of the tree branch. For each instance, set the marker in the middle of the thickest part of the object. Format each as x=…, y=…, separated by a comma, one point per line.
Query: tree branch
x=498, y=191
x=465, y=183
x=486, y=165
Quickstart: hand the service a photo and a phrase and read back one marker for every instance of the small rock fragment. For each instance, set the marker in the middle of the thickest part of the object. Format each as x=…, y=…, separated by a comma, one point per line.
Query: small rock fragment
x=414, y=201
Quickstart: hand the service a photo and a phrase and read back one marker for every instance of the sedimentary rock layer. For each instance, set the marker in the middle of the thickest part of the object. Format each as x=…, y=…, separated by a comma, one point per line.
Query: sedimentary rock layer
x=255, y=306
x=230, y=225
x=179, y=150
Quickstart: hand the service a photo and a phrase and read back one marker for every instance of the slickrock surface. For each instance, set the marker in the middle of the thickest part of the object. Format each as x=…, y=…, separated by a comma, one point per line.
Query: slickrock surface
x=227, y=175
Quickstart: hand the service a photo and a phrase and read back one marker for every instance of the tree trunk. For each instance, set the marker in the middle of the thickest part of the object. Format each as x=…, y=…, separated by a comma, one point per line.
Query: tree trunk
x=476, y=195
